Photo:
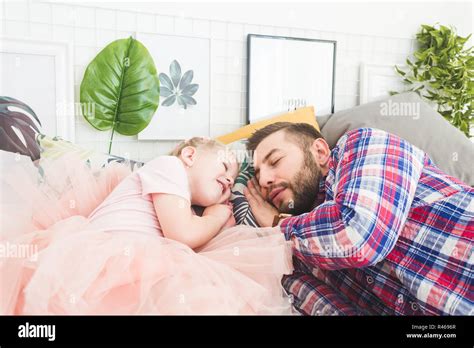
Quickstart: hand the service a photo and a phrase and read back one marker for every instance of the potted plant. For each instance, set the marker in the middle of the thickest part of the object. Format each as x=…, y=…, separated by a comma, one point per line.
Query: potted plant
x=443, y=72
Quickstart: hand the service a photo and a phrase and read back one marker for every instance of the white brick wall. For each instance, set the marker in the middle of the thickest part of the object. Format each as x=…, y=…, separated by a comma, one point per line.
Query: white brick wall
x=90, y=29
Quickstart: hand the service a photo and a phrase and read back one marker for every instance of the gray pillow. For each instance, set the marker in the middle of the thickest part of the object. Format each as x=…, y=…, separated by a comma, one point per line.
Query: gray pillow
x=408, y=116
x=322, y=120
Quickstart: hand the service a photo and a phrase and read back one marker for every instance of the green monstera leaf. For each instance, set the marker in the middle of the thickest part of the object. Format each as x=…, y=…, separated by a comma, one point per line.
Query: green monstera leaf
x=120, y=90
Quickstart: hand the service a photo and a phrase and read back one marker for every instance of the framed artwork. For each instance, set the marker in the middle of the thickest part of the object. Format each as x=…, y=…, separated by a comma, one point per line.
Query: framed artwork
x=40, y=74
x=377, y=80
x=184, y=73
x=285, y=73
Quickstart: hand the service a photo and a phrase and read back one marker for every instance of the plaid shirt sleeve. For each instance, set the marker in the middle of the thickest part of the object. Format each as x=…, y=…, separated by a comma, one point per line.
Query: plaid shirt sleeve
x=313, y=296
x=375, y=178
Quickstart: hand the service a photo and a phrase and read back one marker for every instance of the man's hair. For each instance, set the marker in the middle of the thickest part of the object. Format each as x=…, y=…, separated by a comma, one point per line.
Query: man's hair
x=198, y=143
x=302, y=134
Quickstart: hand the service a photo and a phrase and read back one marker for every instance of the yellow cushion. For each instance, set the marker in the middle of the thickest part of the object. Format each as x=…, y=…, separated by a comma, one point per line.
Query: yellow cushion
x=301, y=115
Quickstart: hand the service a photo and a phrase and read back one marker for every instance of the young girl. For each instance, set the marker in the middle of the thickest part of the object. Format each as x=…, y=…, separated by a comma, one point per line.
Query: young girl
x=131, y=243
x=200, y=172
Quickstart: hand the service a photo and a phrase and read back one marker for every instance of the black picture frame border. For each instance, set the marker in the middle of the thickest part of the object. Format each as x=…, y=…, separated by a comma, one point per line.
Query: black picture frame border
x=249, y=50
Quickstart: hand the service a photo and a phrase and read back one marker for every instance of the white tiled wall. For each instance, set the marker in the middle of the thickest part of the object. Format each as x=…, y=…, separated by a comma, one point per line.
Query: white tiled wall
x=90, y=29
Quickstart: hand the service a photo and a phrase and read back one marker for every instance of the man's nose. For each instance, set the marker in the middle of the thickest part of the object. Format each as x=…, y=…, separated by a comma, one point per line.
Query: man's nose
x=266, y=178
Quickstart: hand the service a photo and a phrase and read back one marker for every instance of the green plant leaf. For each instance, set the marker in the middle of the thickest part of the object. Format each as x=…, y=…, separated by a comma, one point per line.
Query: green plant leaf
x=419, y=88
x=122, y=84
x=443, y=71
x=464, y=127
x=399, y=71
x=427, y=27
x=466, y=39
x=444, y=30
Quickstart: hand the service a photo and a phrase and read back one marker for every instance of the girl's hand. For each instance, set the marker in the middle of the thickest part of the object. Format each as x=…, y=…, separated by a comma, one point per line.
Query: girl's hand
x=220, y=211
x=230, y=222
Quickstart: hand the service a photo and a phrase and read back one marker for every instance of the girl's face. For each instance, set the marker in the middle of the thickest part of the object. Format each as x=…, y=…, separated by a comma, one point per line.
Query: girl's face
x=211, y=174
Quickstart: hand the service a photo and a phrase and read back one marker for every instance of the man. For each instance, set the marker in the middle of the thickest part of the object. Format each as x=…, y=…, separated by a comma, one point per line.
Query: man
x=377, y=228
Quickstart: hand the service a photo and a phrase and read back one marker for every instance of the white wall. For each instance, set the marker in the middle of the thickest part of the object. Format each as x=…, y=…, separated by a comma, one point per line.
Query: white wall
x=384, y=18
x=365, y=32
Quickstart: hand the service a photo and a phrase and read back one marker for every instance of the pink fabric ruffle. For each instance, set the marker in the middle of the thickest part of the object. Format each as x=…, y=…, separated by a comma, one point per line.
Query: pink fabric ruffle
x=68, y=267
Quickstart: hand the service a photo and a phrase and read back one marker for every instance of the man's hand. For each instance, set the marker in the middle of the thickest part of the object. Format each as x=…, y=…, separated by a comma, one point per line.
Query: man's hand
x=263, y=211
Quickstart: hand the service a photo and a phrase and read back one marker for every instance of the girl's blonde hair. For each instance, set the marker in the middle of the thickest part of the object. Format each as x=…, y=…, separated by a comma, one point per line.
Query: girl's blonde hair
x=198, y=143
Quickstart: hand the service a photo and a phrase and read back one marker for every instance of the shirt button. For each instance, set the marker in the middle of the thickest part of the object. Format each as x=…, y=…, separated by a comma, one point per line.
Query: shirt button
x=414, y=306
x=370, y=280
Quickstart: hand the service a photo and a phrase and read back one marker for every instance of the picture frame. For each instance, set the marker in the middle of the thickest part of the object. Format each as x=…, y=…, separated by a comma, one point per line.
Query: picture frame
x=191, y=57
x=40, y=74
x=376, y=80
x=284, y=73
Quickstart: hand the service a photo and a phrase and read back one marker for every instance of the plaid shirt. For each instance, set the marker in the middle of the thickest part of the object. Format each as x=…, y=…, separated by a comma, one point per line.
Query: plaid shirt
x=392, y=234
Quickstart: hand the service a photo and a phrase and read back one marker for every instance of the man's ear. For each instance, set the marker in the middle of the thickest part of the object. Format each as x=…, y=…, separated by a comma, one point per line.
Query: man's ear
x=321, y=151
x=188, y=155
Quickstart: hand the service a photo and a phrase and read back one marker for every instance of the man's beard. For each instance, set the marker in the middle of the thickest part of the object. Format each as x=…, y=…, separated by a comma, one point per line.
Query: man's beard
x=305, y=188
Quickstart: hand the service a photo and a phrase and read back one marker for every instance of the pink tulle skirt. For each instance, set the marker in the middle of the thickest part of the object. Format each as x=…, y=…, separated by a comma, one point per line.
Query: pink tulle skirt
x=53, y=262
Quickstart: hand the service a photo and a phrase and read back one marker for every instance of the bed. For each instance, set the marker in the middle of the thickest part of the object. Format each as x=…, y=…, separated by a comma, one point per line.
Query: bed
x=455, y=156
